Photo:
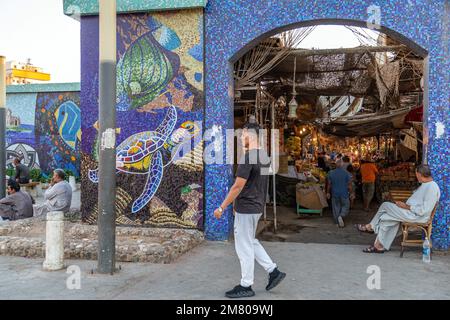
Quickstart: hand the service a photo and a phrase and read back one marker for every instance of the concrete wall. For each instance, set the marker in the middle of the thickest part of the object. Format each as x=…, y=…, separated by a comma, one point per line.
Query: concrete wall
x=44, y=126
x=159, y=97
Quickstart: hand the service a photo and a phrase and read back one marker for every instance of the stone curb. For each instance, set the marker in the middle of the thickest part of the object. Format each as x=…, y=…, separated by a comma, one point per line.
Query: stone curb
x=155, y=245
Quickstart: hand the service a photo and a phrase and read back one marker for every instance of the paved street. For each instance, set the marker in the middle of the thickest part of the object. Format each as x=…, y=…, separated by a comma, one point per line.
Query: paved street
x=315, y=271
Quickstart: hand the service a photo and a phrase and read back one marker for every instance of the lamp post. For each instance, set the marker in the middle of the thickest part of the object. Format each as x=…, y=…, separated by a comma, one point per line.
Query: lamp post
x=2, y=127
x=107, y=120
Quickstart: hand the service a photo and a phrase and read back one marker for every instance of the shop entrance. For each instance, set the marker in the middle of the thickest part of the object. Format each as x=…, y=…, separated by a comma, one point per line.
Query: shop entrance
x=361, y=97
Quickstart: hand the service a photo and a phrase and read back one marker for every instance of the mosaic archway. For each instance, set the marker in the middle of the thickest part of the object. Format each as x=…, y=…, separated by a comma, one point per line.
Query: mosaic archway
x=233, y=27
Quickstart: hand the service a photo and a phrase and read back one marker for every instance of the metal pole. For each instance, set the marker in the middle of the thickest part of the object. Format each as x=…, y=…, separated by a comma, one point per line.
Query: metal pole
x=107, y=120
x=2, y=127
x=273, y=171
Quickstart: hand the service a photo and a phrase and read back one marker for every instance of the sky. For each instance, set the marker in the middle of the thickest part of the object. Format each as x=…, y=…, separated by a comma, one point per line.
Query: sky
x=39, y=30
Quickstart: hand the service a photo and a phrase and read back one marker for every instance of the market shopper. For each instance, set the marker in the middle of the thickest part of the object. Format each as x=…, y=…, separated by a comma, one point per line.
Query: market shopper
x=345, y=162
x=321, y=162
x=339, y=189
x=351, y=170
x=338, y=160
x=369, y=173
x=417, y=209
x=249, y=196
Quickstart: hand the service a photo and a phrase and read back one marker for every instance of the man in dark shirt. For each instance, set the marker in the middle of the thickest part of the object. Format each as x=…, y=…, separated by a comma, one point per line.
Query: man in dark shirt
x=22, y=172
x=321, y=163
x=17, y=204
x=249, y=196
x=339, y=189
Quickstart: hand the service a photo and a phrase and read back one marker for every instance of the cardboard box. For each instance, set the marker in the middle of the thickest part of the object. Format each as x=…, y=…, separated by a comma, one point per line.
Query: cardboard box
x=283, y=164
x=309, y=198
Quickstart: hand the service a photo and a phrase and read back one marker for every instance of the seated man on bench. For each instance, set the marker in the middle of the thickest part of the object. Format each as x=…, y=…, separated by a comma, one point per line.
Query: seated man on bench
x=417, y=209
x=58, y=197
x=17, y=204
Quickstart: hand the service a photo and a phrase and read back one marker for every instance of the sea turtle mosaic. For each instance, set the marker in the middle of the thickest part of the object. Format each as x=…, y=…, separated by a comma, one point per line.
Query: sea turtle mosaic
x=150, y=151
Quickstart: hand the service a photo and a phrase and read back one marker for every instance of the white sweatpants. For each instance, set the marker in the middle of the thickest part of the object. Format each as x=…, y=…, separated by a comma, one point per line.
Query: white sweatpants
x=248, y=247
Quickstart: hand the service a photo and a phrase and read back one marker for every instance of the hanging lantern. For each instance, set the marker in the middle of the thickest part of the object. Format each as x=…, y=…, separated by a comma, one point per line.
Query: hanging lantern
x=293, y=105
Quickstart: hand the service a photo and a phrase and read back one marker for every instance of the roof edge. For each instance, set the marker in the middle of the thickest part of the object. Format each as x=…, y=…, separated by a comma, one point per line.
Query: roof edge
x=43, y=87
x=77, y=8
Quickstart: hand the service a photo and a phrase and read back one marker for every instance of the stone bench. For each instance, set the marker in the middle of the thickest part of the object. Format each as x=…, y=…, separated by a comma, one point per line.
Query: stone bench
x=31, y=188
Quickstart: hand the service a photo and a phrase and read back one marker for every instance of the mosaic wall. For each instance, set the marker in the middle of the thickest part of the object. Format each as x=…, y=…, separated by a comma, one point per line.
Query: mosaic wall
x=232, y=25
x=160, y=104
x=44, y=128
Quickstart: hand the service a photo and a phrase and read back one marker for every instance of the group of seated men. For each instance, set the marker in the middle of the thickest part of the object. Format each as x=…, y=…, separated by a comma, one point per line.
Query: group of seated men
x=18, y=204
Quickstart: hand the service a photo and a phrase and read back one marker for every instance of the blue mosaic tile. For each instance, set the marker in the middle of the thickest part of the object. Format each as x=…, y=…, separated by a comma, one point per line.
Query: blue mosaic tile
x=232, y=24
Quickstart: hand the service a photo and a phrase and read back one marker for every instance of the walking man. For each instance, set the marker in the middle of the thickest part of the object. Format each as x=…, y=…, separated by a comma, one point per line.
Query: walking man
x=339, y=189
x=249, y=191
x=369, y=173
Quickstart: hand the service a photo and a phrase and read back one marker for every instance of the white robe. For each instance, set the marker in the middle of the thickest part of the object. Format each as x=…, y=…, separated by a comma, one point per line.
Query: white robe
x=388, y=218
x=58, y=198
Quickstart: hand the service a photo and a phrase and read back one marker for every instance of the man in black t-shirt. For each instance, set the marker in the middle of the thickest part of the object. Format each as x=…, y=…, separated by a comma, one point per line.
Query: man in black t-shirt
x=249, y=196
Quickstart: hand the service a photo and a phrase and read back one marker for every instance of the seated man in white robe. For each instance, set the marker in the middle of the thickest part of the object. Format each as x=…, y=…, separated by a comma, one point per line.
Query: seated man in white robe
x=417, y=209
x=58, y=197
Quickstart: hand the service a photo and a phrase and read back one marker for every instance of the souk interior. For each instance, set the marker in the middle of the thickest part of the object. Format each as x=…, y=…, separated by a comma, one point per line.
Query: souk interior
x=363, y=102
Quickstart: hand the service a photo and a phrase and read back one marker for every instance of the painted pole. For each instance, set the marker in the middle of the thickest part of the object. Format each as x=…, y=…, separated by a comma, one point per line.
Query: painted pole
x=54, y=241
x=2, y=127
x=107, y=120
x=274, y=155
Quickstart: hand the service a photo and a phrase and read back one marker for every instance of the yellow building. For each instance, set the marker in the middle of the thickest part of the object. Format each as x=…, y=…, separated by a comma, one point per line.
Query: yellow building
x=24, y=73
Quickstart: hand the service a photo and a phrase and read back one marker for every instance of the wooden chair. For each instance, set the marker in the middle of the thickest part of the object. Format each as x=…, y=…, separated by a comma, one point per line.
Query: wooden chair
x=425, y=227
x=400, y=195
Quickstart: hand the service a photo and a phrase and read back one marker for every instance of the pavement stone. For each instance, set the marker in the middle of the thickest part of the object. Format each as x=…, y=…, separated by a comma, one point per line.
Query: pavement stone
x=314, y=271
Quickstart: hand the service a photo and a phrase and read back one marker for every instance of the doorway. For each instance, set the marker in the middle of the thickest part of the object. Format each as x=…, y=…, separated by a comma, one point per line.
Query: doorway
x=362, y=98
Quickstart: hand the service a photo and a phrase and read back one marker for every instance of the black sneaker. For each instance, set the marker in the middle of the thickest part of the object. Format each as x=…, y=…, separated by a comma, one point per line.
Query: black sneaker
x=275, y=277
x=240, y=292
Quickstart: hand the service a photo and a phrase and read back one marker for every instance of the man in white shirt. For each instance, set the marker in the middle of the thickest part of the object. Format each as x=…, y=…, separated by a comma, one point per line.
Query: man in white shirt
x=417, y=209
x=58, y=197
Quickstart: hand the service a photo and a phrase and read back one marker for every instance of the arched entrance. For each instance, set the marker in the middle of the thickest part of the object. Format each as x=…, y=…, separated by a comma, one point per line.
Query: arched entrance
x=235, y=28
x=338, y=106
